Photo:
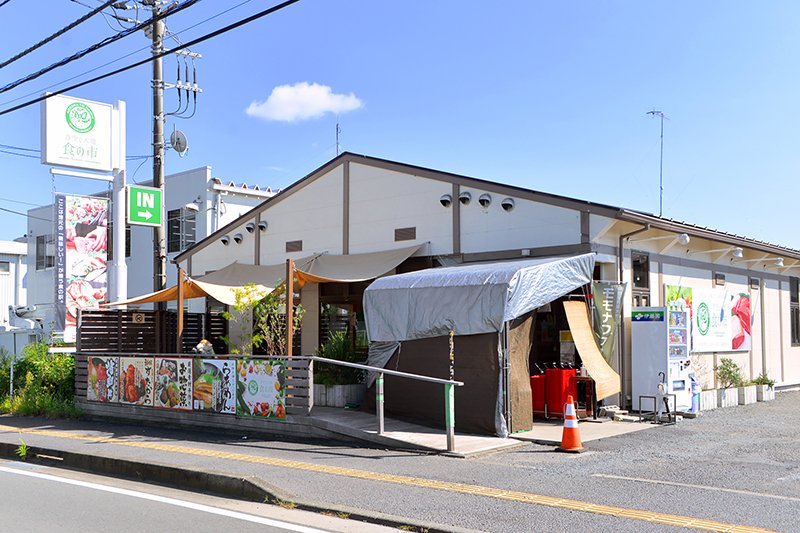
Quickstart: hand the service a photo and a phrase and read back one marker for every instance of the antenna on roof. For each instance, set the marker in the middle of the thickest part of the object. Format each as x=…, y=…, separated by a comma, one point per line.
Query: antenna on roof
x=338, y=131
x=660, y=114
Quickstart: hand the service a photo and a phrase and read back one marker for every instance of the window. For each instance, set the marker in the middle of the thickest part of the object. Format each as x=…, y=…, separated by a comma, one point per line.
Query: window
x=45, y=252
x=294, y=246
x=5, y=267
x=794, y=309
x=640, y=271
x=181, y=229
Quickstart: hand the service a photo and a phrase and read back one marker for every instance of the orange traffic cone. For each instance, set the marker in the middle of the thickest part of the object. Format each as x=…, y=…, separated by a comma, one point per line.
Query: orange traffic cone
x=571, y=435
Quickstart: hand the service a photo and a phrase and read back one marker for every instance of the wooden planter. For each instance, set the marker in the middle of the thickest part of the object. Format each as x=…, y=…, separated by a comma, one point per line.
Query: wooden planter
x=708, y=400
x=727, y=397
x=747, y=394
x=339, y=395
x=765, y=393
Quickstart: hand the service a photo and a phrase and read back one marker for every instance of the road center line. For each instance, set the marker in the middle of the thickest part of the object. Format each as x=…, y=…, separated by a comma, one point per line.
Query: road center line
x=169, y=501
x=701, y=487
x=476, y=490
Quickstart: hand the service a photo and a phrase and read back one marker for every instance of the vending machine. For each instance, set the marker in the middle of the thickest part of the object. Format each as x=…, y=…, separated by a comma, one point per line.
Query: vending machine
x=660, y=342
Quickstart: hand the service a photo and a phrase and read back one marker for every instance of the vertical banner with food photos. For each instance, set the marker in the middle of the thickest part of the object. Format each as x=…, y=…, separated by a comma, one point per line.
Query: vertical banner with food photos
x=261, y=388
x=173, y=383
x=214, y=386
x=136, y=380
x=81, y=255
x=102, y=384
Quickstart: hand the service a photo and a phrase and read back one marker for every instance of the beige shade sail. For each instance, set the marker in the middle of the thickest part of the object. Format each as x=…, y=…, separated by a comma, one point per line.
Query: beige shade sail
x=353, y=267
x=606, y=380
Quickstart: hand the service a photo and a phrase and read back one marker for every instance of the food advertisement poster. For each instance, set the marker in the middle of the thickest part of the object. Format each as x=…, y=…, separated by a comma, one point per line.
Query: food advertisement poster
x=214, y=387
x=136, y=380
x=81, y=255
x=103, y=382
x=720, y=318
x=260, y=388
x=173, y=383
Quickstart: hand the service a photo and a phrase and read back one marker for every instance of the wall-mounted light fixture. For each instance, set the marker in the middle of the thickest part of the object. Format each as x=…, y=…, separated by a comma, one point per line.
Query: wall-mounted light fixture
x=683, y=239
x=776, y=261
x=735, y=251
x=446, y=200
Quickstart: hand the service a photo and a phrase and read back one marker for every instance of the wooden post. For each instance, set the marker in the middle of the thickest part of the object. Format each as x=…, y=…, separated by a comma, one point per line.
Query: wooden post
x=179, y=336
x=289, y=305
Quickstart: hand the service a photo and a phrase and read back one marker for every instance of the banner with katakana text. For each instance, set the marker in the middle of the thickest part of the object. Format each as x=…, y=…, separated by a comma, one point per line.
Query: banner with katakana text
x=607, y=314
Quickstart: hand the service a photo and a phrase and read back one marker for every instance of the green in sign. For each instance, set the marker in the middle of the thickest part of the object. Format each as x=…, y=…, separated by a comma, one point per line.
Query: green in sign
x=144, y=206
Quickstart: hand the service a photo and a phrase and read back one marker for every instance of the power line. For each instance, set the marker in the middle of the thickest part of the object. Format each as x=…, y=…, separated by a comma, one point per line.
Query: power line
x=96, y=46
x=174, y=35
x=23, y=214
x=60, y=32
x=204, y=38
x=4, y=2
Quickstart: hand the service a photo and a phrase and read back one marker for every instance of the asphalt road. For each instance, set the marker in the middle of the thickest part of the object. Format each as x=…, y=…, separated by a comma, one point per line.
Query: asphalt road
x=40, y=499
x=737, y=466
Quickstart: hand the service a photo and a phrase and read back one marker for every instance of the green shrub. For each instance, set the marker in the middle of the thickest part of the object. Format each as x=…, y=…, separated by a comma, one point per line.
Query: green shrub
x=728, y=373
x=339, y=347
x=764, y=379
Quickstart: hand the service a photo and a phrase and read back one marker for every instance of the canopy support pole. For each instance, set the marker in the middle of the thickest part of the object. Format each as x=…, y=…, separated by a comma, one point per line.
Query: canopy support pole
x=289, y=305
x=179, y=336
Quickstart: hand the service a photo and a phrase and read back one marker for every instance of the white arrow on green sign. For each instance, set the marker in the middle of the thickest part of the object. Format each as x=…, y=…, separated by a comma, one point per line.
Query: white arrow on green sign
x=144, y=206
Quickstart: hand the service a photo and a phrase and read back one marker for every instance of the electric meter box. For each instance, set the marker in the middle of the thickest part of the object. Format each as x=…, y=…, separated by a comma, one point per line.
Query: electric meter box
x=660, y=342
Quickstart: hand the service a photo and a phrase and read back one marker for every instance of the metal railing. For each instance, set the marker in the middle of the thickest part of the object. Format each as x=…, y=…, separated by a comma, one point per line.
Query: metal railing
x=449, y=394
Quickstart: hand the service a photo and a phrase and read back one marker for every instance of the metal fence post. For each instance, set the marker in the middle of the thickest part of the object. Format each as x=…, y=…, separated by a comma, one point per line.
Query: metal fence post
x=450, y=416
x=379, y=402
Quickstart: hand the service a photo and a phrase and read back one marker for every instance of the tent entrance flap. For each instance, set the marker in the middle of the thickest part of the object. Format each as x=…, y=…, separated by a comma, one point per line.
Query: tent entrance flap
x=607, y=381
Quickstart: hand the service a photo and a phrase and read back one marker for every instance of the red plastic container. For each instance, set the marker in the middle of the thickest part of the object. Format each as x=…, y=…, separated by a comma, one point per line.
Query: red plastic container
x=538, y=390
x=558, y=385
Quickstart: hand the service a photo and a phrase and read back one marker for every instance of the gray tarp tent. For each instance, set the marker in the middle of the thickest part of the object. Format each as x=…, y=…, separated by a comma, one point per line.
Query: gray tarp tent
x=489, y=306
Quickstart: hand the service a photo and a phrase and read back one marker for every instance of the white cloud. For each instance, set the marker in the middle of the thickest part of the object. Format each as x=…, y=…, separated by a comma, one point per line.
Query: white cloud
x=302, y=101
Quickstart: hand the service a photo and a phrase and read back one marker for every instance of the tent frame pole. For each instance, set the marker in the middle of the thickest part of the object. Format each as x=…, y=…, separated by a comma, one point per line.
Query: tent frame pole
x=179, y=336
x=289, y=305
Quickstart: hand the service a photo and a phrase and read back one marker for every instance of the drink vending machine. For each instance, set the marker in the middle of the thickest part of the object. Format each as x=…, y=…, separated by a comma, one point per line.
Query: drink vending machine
x=660, y=342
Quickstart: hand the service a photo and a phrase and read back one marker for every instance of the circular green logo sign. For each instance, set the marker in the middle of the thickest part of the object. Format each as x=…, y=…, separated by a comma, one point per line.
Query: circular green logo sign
x=80, y=117
x=252, y=387
x=703, y=318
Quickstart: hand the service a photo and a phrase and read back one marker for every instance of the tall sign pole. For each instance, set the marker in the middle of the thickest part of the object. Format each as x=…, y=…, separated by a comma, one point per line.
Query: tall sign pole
x=159, y=248
x=119, y=290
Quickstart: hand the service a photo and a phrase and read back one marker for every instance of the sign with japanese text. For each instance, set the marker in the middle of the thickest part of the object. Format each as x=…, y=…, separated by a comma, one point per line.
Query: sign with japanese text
x=102, y=384
x=136, y=380
x=260, y=388
x=81, y=254
x=607, y=313
x=214, y=387
x=144, y=205
x=77, y=133
x=173, y=388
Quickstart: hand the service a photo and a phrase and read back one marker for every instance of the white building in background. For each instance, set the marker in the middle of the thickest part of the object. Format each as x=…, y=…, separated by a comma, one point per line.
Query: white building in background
x=196, y=204
x=13, y=269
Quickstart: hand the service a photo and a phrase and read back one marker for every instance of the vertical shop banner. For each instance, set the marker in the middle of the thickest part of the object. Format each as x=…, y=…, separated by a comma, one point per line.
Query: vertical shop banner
x=81, y=256
x=214, y=387
x=136, y=380
x=260, y=388
x=720, y=318
x=173, y=388
x=607, y=297
x=102, y=384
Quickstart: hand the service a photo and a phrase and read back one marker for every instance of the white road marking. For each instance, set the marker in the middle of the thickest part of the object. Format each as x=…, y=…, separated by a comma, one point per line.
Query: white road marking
x=170, y=501
x=702, y=487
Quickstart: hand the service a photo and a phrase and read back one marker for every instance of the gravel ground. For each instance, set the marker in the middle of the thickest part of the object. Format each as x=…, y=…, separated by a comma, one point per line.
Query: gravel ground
x=739, y=465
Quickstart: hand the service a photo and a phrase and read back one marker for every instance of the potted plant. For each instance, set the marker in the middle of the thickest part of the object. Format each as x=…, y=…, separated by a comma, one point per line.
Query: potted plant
x=765, y=388
x=336, y=385
x=708, y=400
x=729, y=378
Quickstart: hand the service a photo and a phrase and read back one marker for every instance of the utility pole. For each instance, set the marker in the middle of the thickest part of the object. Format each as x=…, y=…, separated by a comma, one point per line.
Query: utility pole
x=661, y=163
x=159, y=248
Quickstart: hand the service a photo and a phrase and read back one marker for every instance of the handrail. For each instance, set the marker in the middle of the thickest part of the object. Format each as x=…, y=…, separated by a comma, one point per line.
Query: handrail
x=390, y=372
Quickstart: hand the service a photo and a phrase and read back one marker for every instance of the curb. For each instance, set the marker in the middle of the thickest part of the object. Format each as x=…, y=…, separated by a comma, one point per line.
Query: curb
x=251, y=489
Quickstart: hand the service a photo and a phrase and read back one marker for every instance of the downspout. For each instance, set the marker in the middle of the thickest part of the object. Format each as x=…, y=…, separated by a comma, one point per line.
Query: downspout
x=621, y=335
x=763, y=284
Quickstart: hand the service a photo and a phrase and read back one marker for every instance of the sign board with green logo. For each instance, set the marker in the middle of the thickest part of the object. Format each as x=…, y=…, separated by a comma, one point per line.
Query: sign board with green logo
x=77, y=133
x=144, y=206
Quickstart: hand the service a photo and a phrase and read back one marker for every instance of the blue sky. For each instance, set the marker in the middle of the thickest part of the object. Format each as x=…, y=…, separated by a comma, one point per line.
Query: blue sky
x=550, y=96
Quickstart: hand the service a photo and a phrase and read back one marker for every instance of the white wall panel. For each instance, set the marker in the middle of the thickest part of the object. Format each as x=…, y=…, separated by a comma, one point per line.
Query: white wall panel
x=382, y=201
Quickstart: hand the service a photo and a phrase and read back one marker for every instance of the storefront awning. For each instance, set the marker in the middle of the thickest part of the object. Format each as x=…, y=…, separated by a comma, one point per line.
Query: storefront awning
x=606, y=381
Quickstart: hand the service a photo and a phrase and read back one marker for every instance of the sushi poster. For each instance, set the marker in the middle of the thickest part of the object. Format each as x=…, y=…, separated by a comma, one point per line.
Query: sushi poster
x=102, y=384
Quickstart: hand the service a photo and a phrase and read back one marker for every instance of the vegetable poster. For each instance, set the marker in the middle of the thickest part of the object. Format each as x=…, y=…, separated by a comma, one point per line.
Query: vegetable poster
x=214, y=387
x=136, y=380
x=81, y=255
x=103, y=380
x=260, y=388
x=721, y=318
x=173, y=388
